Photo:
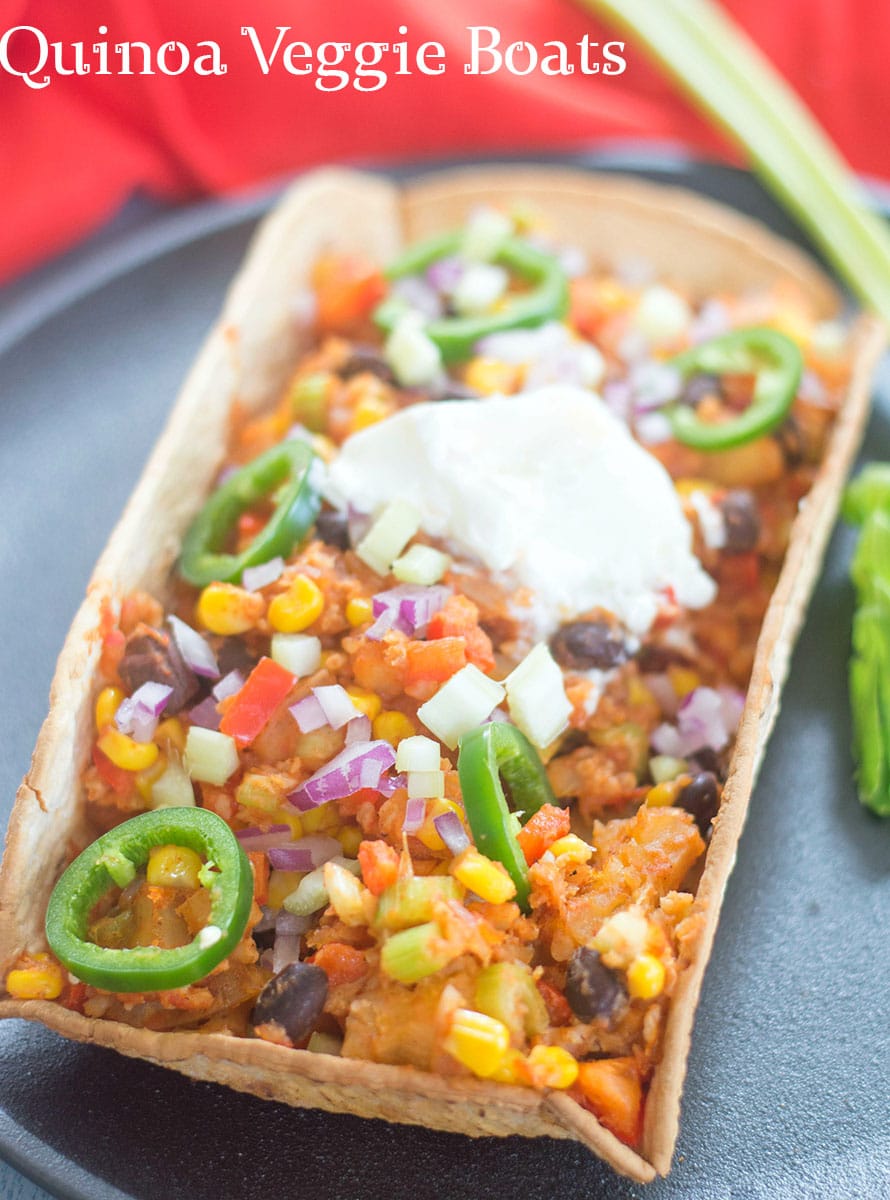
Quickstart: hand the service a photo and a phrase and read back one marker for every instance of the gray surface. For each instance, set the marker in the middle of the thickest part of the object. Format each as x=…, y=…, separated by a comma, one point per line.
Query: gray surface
x=788, y=1092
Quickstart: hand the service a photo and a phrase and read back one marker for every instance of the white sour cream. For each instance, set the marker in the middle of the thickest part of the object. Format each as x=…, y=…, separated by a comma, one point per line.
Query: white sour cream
x=547, y=489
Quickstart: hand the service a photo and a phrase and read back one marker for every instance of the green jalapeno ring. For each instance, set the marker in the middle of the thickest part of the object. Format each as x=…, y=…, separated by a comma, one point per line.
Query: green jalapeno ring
x=202, y=560
x=773, y=358
x=486, y=755
x=151, y=968
x=456, y=336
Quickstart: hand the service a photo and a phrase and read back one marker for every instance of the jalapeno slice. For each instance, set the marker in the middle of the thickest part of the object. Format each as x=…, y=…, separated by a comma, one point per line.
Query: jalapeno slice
x=286, y=466
x=486, y=756
x=775, y=361
x=456, y=336
x=151, y=968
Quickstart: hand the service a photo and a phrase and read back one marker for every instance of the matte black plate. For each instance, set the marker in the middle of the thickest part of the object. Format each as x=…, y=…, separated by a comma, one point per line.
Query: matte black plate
x=788, y=1092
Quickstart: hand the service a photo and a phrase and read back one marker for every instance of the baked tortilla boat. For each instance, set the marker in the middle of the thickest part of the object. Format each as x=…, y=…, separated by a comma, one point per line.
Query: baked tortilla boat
x=598, y=984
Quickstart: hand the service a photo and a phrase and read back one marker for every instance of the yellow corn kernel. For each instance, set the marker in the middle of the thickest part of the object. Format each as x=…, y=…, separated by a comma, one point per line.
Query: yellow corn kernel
x=322, y=818
x=228, y=610
x=350, y=838
x=297, y=608
x=480, y=875
x=173, y=866
x=346, y=895
x=171, y=733
x=427, y=833
x=281, y=884
x=665, y=794
x=359, y=610
x=108, y=702
x=42, y=979
x=622, y=938
x=125, y=753
x=551, y=1067
x=683, y=680
x=286, y=816
x=571, y=848
x=392, y=726
x=477, y=1041
x=645, y=977
x=259, y=792
x=146, y=779
x=489, y=375
x=637, y=692
x=685, y=487
x=512, y=1069
x=369, y=410
x=367, y=702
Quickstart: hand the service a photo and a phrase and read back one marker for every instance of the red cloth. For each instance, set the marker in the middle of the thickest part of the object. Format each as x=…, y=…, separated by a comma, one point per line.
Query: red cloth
x=72, y=152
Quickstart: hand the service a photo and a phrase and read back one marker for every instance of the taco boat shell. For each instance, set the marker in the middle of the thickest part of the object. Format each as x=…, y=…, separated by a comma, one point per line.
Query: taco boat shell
x=247, y=357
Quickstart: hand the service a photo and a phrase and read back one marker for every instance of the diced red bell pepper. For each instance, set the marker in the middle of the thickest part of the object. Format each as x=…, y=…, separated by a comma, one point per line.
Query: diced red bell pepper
x=434, y=661
x=251, y=709
x=460, y=618
x=346, y=290
x=119, y=780
x=539, y=833
x=340, y=962
x=380, y=866
x=613, y=1091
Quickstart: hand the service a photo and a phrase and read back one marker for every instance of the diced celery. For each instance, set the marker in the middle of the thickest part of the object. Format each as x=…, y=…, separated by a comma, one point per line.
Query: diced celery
x=422, y=565
x=484, y=237
x=426, y=785
x=119, y=867
x=663, y=768
x=460, y=705
x=389, y=535
x=418, y=753
x=299, y=653
x=210, y=756
x=413, y=356
x=311, y=893
x=537, y=698
x=413, y=954
x=410, y=901
x=507, y=992
x=173, y=789
x=324, y=1043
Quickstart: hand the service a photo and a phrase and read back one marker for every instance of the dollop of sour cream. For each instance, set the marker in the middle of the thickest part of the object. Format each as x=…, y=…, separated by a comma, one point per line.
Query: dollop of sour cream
x=547, y=489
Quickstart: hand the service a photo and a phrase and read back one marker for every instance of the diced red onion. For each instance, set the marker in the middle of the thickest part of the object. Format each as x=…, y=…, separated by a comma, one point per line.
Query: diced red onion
x=336, y=705
x=451, y=830
x=358, y=730
x=285, y=951
x=255, y=838
x=205, y=714
x=445, y=273
x=138, y=714
x=308, y=713
x=707, y=717
x=654, y=384
x=254, y=578
x=229, y=685
x=153, y=697
x=355, y=767
x=389, y=784
x=290, y=923
x=267, y=960
x=414, y=814
x=420, y=295
x=194, y=650
x=267, y=920
x=305, y=854
x=225, y=474
x=497, y=715
x=732, y=706
x=407, y=607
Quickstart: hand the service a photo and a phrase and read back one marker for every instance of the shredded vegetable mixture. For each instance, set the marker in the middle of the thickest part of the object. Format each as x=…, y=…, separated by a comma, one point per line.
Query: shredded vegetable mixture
x=473, y=847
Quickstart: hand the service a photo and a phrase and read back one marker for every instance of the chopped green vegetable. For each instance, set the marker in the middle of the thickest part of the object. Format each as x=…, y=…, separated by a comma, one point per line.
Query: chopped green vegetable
x=710, y=57
x=870, y=490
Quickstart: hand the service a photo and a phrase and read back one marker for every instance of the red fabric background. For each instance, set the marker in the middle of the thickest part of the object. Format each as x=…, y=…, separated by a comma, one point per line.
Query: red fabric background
x=71, y=153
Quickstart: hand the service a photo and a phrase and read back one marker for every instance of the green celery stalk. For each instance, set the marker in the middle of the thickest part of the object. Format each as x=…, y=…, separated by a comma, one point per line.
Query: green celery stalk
x=725, y=74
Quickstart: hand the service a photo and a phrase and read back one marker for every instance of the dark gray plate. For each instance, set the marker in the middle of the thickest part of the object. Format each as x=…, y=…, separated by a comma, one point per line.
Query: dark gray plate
x=789, y=1090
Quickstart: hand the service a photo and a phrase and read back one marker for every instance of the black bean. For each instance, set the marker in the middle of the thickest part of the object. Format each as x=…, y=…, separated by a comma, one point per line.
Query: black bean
x=706, y=758
x=581, y=645
x=235, y=655
x=701, y=798
x=742, y=521
x=332, y=526
x=288, y=1007
x=697, y=387
x=151, y=656
x=366, y=360
x=592, y=990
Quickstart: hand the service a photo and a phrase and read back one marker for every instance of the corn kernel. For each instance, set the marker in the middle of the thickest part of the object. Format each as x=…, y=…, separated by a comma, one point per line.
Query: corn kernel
x=171, y=732
x=427, y=833
x=392, y=726
x=683, y=680
x=489, y=375
x=173, y=866
x=368, y=703
x=477, y=1041
x=124, y=752
x=108, y=702
x=228, y=610
x=346, y=894
x=666, y=793
x=645, y=977
x=359, y=610
x=146, y=779
x=686, y=486
x=350, y=838
x=281, y=885
x=551, y=1067
x=571, y=849
x=318, y=819
x=297, y=608
x=511, y=1070
x=42, y=979
x=480, y=875
x=369, y=410
x=637, y=692
x=259, y=792
x=285, y=816
x=621, y=938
